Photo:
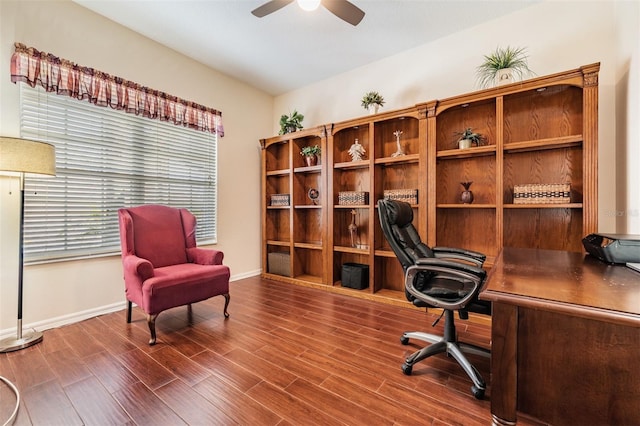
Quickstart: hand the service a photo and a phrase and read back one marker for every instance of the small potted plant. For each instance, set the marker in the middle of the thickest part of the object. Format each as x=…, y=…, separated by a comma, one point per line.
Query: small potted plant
x=502, y=65
x=291, y=123
x=310, y=154
x=371, y=101
x=468, y=137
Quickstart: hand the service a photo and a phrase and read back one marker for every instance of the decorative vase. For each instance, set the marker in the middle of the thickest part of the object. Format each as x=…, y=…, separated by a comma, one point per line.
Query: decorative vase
x=373, y=108
x=466, y=196
x=464, y=143
x=504, y=76
x=311, y=160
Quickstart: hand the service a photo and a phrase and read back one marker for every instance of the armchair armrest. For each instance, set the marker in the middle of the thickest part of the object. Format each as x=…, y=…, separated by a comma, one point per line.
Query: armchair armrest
x=459, y=274
x=136, y=269
x=474, y=257
x=203, y=256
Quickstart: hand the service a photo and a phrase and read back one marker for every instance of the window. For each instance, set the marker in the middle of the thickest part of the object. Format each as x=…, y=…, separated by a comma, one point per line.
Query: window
x=105, y=160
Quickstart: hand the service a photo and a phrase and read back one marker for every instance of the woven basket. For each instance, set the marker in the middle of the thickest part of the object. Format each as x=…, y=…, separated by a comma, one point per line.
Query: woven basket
x=352, y=198
x=407, y=195
x=553, y=193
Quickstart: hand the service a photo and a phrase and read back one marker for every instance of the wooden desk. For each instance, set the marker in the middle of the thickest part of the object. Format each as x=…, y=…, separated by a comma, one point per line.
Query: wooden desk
x=565, y=337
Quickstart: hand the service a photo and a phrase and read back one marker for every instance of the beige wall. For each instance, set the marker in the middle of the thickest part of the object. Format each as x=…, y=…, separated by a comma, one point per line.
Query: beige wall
x=559, y=35
x=65, y=291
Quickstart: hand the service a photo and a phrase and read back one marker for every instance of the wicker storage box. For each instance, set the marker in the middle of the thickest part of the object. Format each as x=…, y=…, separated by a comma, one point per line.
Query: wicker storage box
x=407, y=195
x=348, y=198
x=280, y=200
x=553, y=193
x=278, y=263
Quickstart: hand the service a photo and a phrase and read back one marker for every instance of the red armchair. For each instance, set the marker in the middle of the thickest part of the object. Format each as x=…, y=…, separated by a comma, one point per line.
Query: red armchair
x=162, y=266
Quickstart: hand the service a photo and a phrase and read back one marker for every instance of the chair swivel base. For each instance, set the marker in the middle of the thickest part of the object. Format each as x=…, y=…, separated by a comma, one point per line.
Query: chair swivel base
x=451, y=347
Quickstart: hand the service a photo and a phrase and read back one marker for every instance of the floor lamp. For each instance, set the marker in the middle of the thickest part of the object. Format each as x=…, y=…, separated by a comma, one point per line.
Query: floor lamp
x=24, y=156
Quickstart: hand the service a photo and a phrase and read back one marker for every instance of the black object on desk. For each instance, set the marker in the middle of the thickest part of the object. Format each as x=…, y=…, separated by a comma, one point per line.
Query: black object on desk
x=613, y=248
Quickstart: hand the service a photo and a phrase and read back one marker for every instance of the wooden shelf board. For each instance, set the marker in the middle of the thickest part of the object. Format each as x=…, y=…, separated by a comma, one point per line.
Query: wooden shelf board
x=278, y=243
x=283, y=172
x=549, y=143
x=352, y=165
x=351, y=206
x=310, y=278
x=308, y=206
x=309, y=169
x=384, y=253
x=466, y=206
x=309, y=245
x=409, y=158
x=278, y=207
x=544, y=206
x=344, y=249
x=465, y=153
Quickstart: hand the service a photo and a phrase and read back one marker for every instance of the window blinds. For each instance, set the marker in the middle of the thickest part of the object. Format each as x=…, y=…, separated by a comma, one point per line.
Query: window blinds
x=105, y=160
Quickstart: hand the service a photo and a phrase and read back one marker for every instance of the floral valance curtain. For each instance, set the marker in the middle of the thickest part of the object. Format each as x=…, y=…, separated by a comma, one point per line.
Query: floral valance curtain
x=63, y=77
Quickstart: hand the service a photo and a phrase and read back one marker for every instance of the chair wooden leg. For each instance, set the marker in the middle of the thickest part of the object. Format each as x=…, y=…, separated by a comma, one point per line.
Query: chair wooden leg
x=151, y=320
x=227, y=297
x=190, y=313
x=129, y=303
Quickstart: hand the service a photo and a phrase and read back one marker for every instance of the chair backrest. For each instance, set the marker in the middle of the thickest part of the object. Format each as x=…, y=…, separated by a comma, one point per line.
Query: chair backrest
x=157, y=233
x=396, y=220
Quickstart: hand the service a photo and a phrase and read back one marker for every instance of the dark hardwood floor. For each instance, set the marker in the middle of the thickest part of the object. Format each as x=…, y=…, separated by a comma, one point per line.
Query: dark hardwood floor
x=288, y=355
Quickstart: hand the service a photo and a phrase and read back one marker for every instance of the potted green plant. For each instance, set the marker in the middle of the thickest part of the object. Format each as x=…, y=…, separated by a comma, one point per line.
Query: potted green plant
x=291, y=123
x=371, y=101
x=502, y=65
x=310, y=154
x=468, y=137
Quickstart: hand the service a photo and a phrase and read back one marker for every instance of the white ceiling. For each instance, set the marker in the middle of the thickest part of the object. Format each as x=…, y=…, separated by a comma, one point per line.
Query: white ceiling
x=292, y=48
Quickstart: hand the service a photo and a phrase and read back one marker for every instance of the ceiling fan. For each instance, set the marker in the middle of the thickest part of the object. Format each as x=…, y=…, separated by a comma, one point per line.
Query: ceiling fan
x=343, y=9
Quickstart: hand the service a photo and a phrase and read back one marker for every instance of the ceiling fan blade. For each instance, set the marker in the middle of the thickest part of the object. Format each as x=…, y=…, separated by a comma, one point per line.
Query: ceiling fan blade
x=344, y=10
x=270, y=7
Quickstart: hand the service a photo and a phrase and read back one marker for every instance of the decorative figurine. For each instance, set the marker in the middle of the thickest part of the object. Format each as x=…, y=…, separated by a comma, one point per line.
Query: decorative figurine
x=399, y=152
x=357, y=151
x=353, y=229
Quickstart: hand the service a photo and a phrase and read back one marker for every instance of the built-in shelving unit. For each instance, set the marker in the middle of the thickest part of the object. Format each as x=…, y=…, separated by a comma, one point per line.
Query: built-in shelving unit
x=539, y=131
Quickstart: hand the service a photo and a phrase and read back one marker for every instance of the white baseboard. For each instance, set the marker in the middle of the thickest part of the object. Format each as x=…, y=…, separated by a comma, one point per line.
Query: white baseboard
x=90, y=313
x=66, y=319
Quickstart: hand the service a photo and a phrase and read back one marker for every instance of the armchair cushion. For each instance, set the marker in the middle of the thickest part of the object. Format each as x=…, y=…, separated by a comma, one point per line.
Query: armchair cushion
x=177, y=285
x=156, y=236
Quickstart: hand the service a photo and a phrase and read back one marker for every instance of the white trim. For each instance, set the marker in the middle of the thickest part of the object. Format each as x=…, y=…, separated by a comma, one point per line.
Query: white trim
x=66, y=319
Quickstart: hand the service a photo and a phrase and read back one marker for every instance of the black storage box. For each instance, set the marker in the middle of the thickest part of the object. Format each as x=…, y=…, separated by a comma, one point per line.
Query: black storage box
x=355, y=275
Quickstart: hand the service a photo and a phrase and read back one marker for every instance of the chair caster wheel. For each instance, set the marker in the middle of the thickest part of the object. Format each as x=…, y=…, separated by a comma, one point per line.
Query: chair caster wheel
x=406, y=369
x=404, y=340
x=477, y=392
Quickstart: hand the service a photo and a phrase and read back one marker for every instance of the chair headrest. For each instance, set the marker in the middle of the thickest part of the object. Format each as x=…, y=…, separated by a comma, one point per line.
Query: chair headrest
x=399, y=214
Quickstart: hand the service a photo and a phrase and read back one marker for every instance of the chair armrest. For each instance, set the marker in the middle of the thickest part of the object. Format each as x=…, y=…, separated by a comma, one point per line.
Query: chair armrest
x=445, y=270
x=439, y=263
x=203, y=256
x=474, y=257
x=137, y=268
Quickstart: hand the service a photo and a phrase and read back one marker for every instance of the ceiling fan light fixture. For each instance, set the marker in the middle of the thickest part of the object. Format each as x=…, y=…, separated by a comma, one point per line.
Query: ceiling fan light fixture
x=309, y=5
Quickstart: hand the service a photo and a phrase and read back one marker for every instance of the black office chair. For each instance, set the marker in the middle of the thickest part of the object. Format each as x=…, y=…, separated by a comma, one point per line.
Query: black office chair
x=446, y=278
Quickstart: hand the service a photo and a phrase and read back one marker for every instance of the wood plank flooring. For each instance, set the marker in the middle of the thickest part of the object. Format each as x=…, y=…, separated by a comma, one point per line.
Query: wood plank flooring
x=288, y=355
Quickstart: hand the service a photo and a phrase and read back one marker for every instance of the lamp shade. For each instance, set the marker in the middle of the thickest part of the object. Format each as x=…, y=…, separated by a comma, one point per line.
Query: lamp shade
x=25, y=156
